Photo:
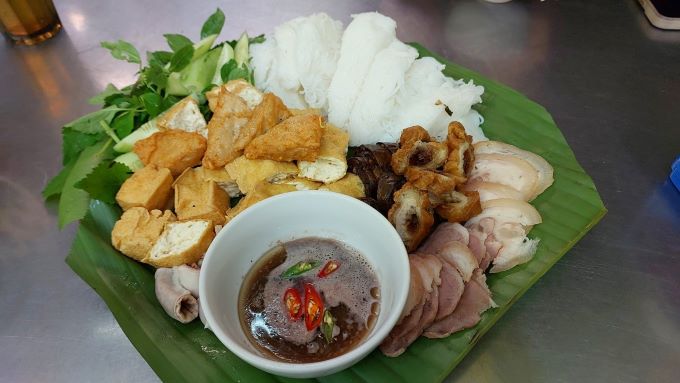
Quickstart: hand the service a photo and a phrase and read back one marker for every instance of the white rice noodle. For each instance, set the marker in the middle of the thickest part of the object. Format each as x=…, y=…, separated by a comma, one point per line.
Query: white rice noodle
x=365, y=36
x=262, y=60
x=377, y=98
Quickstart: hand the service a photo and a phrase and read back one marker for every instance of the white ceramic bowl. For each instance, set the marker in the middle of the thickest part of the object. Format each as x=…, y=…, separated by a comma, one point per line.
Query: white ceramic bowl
x=296, y=215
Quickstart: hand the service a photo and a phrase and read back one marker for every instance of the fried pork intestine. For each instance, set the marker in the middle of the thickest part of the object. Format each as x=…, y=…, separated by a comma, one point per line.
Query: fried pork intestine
x=461, y=153
x=411, y=215
x=416, y=149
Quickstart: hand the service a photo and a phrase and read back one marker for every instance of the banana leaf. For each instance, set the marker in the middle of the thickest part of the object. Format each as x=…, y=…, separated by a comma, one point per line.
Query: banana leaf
x=188, y=353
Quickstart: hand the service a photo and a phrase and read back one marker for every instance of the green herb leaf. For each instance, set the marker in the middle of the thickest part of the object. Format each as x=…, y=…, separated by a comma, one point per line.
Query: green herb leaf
x=74, y=142
x=101, y=97
x=104, y=181
x=74, y=202
x=299, y=268
x=214, y=24
x=226, y=69
x=239, y=72
x=176, y=41
x=124, y=123
x=152, y=103
x=156, y=76
x=89, y=123
x=158, y=58
x=122, y=50
x=327, y=326
x=256, y=40
x=181, y=58
x=56, y=184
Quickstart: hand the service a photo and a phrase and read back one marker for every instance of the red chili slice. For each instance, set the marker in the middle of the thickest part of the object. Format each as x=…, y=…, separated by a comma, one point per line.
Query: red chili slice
x=293, y=303
x=313, y=307
x=329, y=268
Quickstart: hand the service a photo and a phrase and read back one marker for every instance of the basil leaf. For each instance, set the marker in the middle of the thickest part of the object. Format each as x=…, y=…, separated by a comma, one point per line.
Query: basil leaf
x=89, y=123
x=74, y=202
x=156, y=76
x=214, y=24
x=123, y=124
x=240, y=72
x=56, y=184
x=100, y=99
x=299, y=268
x=226, y=69
x=74, y=142
x=158, y=58
x=181, y=58
x=122, y=50
x=104, y=181
x=176, y=41
x=152, y=103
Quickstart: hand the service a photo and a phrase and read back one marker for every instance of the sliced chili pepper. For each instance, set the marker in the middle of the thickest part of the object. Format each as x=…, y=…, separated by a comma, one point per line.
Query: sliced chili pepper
x=299, y=268
x=329, y=268
x=293, y=303
x=327, y=326
x=313, y=307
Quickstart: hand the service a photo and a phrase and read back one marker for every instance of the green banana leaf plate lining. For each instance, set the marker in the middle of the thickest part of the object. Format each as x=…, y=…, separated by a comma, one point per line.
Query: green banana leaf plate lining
x=188, y=353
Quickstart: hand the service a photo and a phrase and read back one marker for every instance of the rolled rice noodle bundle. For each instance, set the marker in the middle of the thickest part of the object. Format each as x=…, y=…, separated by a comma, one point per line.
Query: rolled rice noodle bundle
x=365, y=36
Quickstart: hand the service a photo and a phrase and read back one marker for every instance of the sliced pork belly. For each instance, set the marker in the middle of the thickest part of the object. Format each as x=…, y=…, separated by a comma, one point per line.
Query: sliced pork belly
x=475, y=300
x=446, y=232
x=450, y=290
x=479, y=232
x=397, y=341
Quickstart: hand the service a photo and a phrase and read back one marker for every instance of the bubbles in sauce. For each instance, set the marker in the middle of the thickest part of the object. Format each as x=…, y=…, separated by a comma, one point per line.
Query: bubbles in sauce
x=351, y=294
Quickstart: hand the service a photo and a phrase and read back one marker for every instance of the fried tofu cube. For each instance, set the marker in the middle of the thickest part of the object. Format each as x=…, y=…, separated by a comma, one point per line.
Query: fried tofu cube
x=261, y=191
x=184, y=115
x=196, y=198
x=137, y=231
x=231, y=115
x=331, y=165
x=295, y=139
x=350, y=185
x=149, y=187
x=181, y=243
x=251, y=95
x=221, y=178
x=172, y=149
x=249, y=173
x=269, y=113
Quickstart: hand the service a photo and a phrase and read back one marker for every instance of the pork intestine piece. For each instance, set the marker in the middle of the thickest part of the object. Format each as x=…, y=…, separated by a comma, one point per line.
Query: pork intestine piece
x=177, y=301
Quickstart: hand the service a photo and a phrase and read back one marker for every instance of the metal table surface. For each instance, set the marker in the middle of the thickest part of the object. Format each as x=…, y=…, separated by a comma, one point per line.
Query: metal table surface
x=608, y=311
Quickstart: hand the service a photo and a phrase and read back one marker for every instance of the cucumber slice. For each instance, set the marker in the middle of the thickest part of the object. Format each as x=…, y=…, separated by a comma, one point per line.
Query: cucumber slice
x=196, y=76
x=202, y=47
x=147, y=129
x=241, y=54
x=131, y=160
x=226, y=55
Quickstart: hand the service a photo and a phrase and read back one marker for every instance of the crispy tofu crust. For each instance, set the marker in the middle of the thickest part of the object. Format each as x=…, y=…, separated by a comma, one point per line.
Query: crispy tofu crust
x=189, y=255
x=331, y=165
x=300, y=112
x=149, y=187
x=269, y=113
x=411, y=215
x=261, y=191
x=231, y=115
x=196, y=198
x=433, y=181
x=184, y=115
x=249, y=173
x=350, y=185
x=221, y=178
x=295, y=139
x=172, y=149
x=138, y=229
x=298, y=182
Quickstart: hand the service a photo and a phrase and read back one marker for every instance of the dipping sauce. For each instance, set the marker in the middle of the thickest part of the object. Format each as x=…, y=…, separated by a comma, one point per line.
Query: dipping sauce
x=341, y=278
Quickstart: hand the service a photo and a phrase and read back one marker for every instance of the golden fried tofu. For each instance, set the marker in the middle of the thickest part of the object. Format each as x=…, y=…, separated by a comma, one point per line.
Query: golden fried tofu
x=261, y=191
x=172, y=149
x=331, y=165
x=231, y=115
x=295, y=139
x=196, y=198
x=181, y=243
x=269, y=113
x=149, y=187
x=433, y=181
x=350, y=185
x=300, y=112
x=221, y=178
x=299, y=183
x=249, y=173
x=251, y=95
x=184, y=115
x=137, y=231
